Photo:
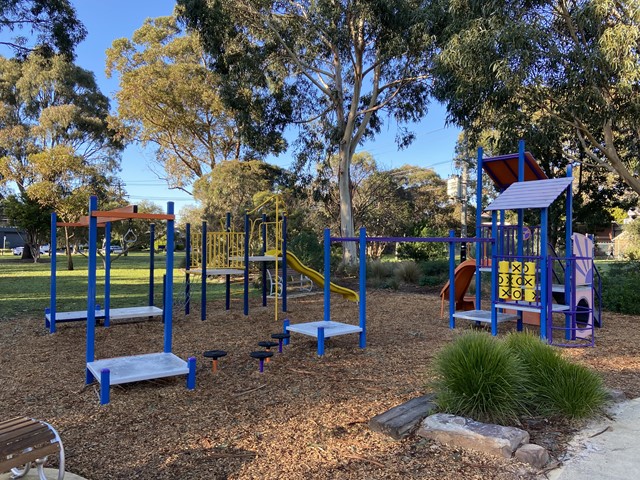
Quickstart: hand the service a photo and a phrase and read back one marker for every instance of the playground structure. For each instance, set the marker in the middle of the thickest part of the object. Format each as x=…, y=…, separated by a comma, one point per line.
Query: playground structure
x=118, y=370
x=523, y=265
x=328, y=328
x=106, y=314
x=263, y=241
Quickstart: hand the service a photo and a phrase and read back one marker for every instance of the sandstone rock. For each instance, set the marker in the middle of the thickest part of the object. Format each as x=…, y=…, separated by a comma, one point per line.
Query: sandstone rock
x=400, y=420
x=615, y=396
x=466, y=433
x=533, y=454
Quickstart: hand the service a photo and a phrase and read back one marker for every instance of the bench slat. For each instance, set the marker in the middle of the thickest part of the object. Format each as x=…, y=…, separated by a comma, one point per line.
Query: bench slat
x=8, y=424
x=22, y=459
x=7, y=436
x=35, y=439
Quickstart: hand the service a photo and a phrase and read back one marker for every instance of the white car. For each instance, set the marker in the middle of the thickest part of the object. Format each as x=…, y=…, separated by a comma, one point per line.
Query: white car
x=17, y=250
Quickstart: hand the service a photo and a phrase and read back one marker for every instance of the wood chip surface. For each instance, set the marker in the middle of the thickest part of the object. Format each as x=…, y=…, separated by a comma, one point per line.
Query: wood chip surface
x=305, y=417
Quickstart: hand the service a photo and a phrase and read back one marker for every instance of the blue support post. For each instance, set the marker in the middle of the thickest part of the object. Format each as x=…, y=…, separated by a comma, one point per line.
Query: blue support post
x=479, y=245
x=105, y=386
x=164, y=296
x=520, y=240
x=284, y=263
x=327, y=275
x=107, y=275
x=203, y=279
x=569, y=276
x=264, y=264
x=246, y=264
x=187, y=286
x=152, y=243
x=52, y=285
x=91, y=286
x=544, y=294
x=452, y=283
x=168, y=311
x=227, y=278
x=320, y=341
x=363, y=287
x=191, y=377
x=285, y=329
x=494, y=273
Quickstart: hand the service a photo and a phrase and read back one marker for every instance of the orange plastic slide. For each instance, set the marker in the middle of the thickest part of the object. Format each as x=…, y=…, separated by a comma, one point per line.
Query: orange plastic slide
x=462, y=279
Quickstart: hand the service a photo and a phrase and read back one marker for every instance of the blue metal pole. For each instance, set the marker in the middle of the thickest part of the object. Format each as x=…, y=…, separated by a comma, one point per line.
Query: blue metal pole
x=452, y=283
x=191, y=377
x=284, y=263
x=203, y=281
x=107, y=275
x=285, y=329
x=544, y=300
x=569, y=282
x=91, y=287
x=152, y=242
x=52, y=285
x=168, y=311
x=264, y=264
x=105, y=385
x=246, y=263
x=363, y=287
x=479, y=246
x=520, y=241
x=227, y=279
x=320, y=341
x=327, y=275
x=187, y=262
x=494, y=272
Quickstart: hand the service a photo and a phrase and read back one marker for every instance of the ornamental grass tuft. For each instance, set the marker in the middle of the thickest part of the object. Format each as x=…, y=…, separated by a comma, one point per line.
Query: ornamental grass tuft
x=556, y=385
x=479, y=377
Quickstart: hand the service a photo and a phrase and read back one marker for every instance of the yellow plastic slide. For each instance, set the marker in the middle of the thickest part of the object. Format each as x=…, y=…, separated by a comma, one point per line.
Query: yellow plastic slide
x=316, y=277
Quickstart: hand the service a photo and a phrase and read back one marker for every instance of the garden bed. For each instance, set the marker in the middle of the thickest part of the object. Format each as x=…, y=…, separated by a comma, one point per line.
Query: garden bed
x=305, y=417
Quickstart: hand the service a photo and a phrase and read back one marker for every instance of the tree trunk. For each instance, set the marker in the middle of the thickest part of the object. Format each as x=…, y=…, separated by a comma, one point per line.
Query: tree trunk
x=349, y=250
x=67, y=249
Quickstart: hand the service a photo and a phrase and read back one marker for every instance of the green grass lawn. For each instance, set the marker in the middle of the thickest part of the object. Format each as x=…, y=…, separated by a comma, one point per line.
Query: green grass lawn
x=24, y=285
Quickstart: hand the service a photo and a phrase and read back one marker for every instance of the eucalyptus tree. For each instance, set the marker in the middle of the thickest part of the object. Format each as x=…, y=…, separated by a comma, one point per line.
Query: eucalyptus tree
x=56, y=146
x=569, y=68
x=48, y=26
x=169, y=99
x=332, y=68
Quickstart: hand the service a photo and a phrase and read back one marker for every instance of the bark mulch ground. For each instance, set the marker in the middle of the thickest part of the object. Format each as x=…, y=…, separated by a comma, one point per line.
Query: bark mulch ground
x=305, y=417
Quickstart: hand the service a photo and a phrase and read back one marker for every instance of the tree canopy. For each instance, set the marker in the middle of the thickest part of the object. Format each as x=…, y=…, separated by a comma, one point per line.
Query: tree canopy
x=56, y=147
x=564, y=74
x=51, y=24
x=333, y=68
x=169, y=98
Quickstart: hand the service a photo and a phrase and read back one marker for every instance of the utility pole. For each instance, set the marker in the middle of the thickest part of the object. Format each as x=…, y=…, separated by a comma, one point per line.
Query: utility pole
x=463, y=198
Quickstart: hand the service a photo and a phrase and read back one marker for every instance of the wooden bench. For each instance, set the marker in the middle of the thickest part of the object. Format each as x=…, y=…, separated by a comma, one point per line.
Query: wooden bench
x=23, y=441
x=297, y=281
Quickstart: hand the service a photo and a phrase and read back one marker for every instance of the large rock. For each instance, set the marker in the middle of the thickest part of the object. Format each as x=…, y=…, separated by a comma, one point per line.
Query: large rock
x=400, y=420
x=466, y=433
x=533, y=455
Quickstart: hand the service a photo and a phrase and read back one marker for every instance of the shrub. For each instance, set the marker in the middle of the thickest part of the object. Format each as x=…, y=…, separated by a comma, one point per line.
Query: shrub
x=306, y=246
x=480, y=377
x=434, y=272
x=619, y=284
x=379, y=271
x=574, y=391
x=407, y=272
x=555, y=385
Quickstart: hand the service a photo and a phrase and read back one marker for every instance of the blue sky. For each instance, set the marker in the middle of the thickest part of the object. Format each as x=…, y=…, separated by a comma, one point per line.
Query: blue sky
x=107, y=20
